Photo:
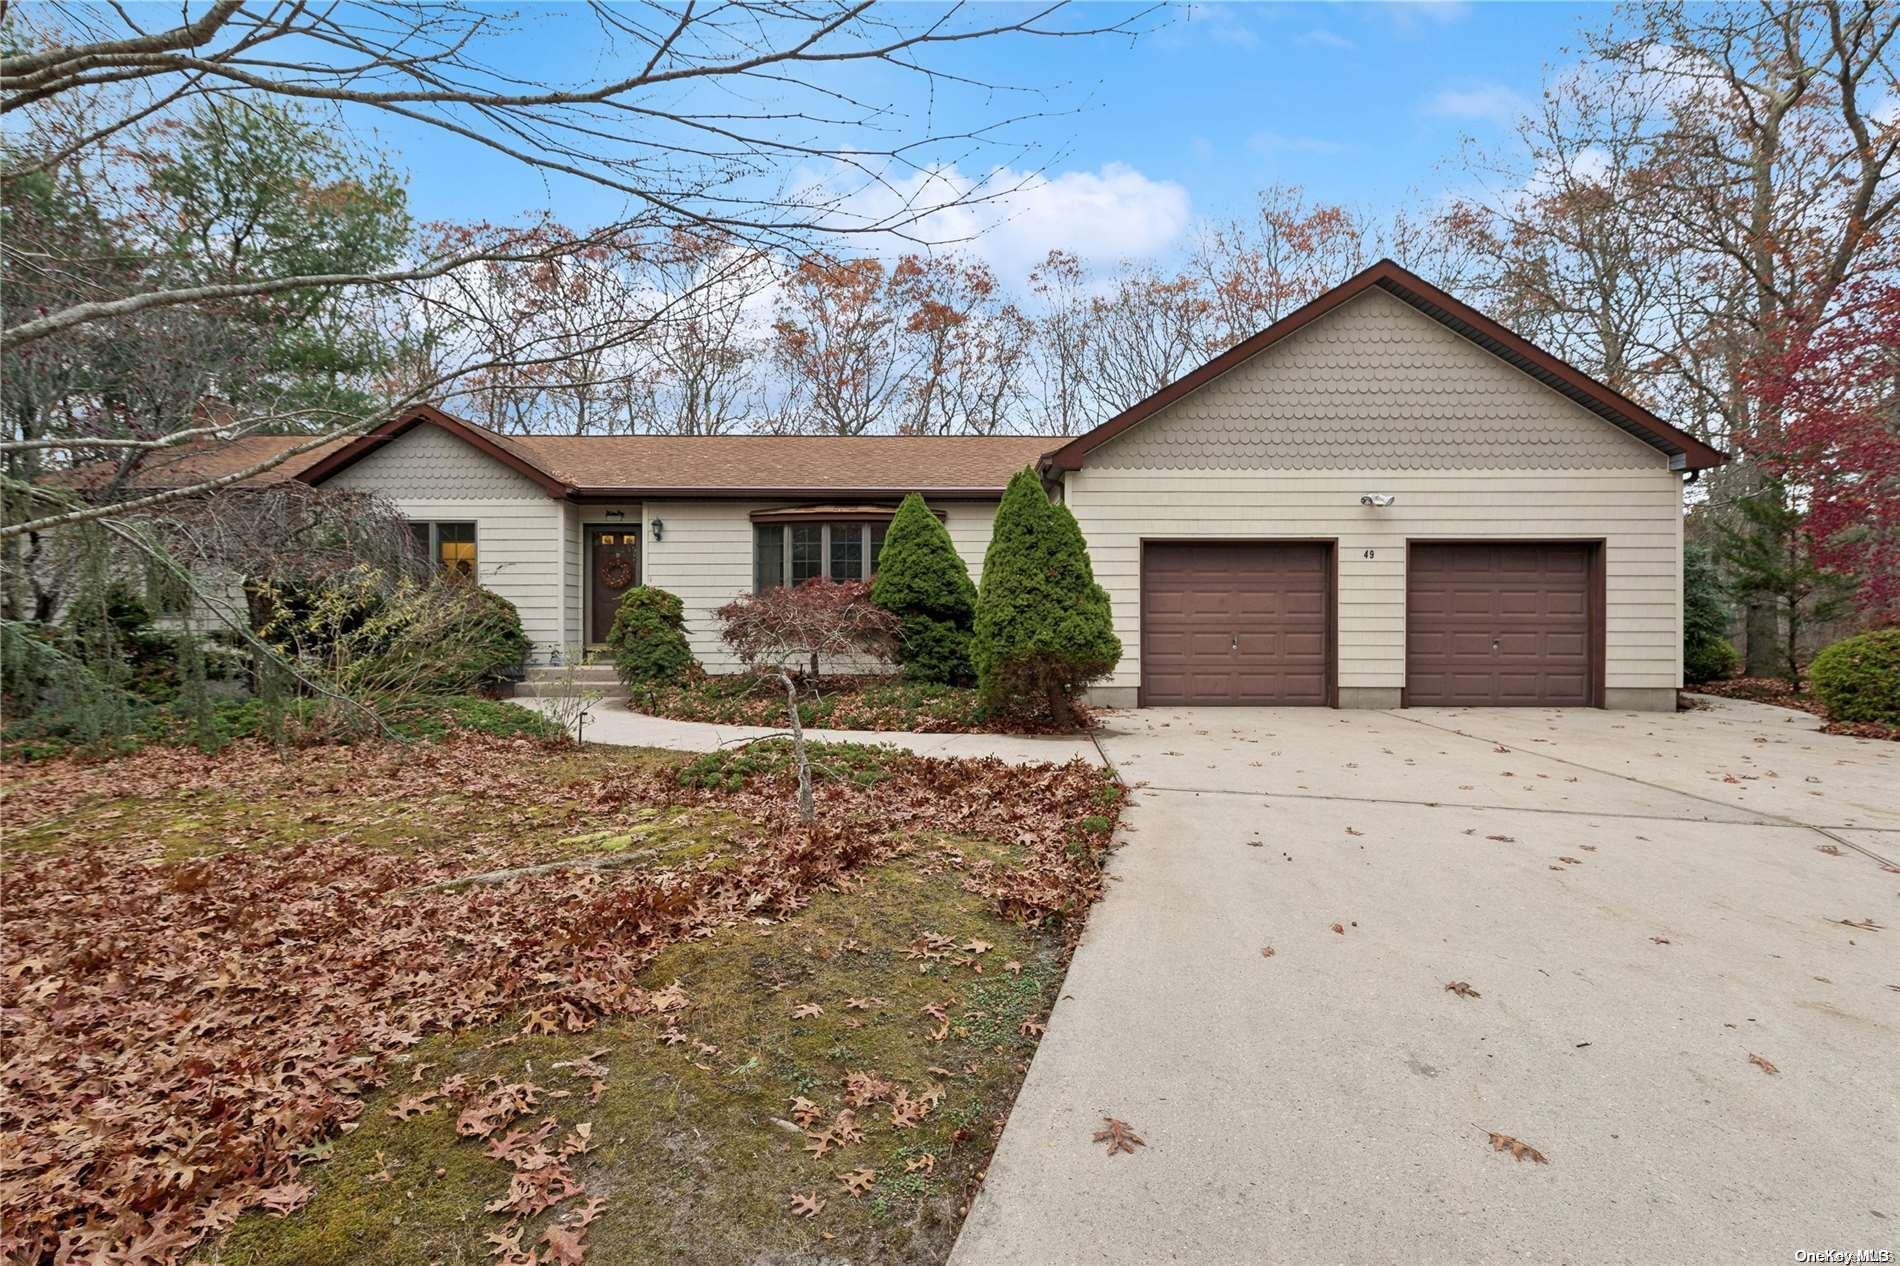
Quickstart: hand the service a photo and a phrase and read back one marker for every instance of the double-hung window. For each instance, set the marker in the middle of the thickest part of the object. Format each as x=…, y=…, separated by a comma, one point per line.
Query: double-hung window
x=449, y=547
x=792, y=553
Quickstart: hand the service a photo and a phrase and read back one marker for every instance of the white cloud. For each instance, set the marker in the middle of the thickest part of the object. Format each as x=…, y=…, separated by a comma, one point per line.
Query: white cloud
x=1492, y=102
x=1222, y=24
x=1412, y=14
x=1011, y=220
x=1326, y=39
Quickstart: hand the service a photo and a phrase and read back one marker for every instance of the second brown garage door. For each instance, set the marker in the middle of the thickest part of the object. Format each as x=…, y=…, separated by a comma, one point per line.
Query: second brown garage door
x=1239, y=623
x=1499, y=625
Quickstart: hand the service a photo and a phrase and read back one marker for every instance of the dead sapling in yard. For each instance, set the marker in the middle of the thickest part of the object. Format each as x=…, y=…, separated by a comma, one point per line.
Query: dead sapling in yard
x=780, y=631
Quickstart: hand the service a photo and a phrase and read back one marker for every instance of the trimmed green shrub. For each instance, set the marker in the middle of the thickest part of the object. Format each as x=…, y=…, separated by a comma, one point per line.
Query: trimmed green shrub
x=376, y=639
x=1712, y=659
x=1043, y=629
x=493, y=645
x=1858, y=678
x=1707, y=654
x=649, y=638
x=922, y=580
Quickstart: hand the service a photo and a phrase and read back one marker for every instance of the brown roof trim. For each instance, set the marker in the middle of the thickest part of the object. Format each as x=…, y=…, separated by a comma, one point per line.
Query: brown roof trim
x=781, y=492
x=481, y=438
x=828, y=514
x=1686, y=451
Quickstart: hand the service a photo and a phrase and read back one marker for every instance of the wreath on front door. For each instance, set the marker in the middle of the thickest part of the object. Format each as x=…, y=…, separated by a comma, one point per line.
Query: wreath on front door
x=616, y=571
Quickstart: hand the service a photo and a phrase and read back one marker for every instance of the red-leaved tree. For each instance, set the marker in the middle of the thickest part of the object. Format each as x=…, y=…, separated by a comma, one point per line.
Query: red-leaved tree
x=1836, y=393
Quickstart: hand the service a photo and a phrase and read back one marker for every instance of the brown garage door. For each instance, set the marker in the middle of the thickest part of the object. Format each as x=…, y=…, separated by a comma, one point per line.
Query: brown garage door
x=1235, y=623
x=1498, y=625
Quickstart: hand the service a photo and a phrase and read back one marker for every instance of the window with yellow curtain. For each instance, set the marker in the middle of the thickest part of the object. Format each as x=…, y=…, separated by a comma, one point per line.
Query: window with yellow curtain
x=455, y=548
x=449, y=547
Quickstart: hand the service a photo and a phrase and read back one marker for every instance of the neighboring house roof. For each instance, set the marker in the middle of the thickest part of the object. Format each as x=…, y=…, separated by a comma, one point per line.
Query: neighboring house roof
x=201, y=460
x=1685, y=451
x=725, y=465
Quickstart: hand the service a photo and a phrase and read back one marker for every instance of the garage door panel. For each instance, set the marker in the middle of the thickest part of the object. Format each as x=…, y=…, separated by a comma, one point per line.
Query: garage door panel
x=1499, y=624
x=1236, y=623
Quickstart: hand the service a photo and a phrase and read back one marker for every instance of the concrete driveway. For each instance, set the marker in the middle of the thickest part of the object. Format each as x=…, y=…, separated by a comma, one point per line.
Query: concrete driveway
x=1642, y=903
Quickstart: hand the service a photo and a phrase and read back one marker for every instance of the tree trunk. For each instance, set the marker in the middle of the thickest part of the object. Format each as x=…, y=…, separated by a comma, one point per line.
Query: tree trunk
x=1761, y=636
x=806, y=812
x=1059, y=709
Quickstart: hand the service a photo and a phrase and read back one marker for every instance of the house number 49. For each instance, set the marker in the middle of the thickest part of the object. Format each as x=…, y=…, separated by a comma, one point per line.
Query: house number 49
x=1368, y=554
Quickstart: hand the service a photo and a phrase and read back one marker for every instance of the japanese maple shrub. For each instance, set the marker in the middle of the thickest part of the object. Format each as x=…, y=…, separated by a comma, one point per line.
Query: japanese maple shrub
x=922, y=580
x=1858, y=678
x=1043, y=630
x=779, y=630
x=789, y=630
x=649, y=638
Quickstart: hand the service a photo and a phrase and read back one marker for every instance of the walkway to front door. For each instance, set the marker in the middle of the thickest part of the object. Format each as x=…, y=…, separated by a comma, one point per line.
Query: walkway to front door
x=613, y=567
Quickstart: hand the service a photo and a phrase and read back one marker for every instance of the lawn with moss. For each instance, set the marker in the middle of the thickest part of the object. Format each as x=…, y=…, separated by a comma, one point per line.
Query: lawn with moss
x=603, y=1005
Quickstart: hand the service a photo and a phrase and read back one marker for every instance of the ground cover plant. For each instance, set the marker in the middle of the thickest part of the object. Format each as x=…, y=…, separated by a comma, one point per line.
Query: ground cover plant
x=503, y=999
x=843, y=702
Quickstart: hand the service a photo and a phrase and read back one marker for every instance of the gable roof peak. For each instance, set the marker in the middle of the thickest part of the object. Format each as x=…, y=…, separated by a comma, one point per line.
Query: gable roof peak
x=1685, y=451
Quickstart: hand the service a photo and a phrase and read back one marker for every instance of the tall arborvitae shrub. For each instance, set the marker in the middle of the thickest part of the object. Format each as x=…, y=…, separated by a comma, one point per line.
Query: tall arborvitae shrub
x=922, y=580
x=1043, y=630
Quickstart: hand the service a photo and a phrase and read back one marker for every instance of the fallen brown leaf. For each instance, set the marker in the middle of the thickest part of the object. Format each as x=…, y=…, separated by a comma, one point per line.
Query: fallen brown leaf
x=1518, y=1148
x=1118, y=1136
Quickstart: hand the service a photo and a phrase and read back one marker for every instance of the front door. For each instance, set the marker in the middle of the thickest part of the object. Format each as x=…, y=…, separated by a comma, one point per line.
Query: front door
x=613, y=567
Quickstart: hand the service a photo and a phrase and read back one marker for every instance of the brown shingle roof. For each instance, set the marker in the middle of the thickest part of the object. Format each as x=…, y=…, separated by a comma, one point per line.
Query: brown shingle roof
x=628, y=464
x=726, y=465
x=819, y=463
x=206, y=459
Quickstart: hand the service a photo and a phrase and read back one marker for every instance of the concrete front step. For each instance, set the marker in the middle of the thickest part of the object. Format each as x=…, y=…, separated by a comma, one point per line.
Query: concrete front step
x=609, y=691
x=592, y=674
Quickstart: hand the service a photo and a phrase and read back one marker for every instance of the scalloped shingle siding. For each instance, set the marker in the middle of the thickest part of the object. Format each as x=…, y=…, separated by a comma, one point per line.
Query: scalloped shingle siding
x=1374, y=384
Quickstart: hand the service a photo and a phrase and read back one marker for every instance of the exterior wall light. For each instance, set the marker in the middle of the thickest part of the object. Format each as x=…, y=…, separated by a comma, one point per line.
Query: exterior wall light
x=659, y=529
x=1378, y=499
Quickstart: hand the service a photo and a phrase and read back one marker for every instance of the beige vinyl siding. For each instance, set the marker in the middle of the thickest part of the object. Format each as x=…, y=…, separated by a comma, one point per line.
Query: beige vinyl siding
x=430, y=476
x=706, y=558
x=573, y=622
x=1284, y=445
x=1634, y=515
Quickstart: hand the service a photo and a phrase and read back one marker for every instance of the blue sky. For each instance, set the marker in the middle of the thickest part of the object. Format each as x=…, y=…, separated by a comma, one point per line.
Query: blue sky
x=1363, y=104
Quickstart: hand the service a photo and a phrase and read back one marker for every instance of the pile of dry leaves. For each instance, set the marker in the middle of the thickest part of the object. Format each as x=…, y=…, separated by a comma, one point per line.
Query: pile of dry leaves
x=174, y=1033
x=1778, y=691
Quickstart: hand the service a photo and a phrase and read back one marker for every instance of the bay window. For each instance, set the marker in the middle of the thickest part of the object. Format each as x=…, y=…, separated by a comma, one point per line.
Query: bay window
x=792, y=553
